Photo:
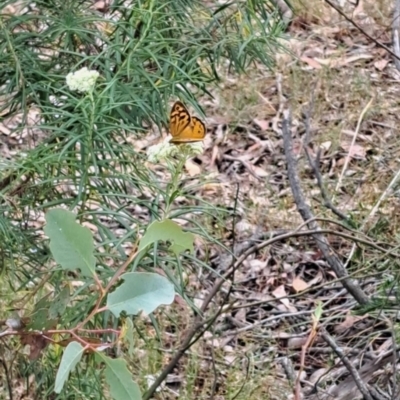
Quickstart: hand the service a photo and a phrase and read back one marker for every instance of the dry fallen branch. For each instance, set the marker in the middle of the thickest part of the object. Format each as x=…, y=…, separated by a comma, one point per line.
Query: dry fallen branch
x=359, y=377
x=353, y=371
x=305, y=212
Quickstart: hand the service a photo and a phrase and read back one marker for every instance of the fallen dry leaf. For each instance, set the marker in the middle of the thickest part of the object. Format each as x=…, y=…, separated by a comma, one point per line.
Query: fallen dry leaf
x=281, y=295
x=341, y=62
x=326, y=145
x=260, y=172
x=311, y=62
x=349, y=321
x=299, y=285
x=381, y=64
x=355, y=150
x=192, y=168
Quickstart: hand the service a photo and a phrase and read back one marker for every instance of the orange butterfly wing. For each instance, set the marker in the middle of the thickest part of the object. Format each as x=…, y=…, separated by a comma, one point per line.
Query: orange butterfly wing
x=183, y=127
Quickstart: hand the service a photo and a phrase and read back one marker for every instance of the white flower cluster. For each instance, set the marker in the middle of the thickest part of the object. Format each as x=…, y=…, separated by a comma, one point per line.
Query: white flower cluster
x=193, y=149
x=161, y=151
x=165, y=150
x=82, y=80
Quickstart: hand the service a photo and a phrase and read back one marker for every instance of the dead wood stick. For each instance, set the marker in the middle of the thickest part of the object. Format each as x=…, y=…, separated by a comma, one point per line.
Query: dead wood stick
x=305, y=212
x=352, y=370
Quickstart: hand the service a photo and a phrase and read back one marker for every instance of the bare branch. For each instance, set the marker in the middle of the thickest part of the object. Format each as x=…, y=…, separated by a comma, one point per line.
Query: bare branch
x=305, y=212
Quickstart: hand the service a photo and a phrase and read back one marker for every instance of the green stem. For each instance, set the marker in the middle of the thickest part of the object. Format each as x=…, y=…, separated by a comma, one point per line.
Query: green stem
x=87, y=154
x=176, y=173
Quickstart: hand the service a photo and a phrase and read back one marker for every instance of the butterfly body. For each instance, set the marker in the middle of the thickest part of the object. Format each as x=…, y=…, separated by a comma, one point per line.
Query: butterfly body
x=183, y=127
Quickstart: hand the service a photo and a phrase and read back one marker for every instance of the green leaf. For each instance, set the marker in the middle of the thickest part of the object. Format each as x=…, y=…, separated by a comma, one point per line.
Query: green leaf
x=140, y=291
x=40, y=321
x=70, y=243
x=40, y=317
x=59, y=304
x=72, y=355
x=168, y=231
x=118, y=377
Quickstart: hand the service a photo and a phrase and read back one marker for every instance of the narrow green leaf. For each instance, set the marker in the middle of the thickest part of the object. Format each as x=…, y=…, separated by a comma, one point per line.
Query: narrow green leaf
x=129, y=335
x=140, y=291
x=118, y=377
x=70, y=243
x=168, y=231
x=72, y=355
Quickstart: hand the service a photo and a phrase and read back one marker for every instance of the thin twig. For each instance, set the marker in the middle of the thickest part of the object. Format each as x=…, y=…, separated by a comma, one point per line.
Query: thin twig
x=377, y=42
x=394, y=373
x=105, y=291
x=310, y=339
x=298, y=233
x=314, y=164
x=347, y=160
x=377, y=396
x=246, y=164
x=327, y=201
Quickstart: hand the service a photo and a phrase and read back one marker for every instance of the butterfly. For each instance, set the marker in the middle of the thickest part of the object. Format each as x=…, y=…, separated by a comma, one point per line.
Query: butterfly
x=183, y=127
